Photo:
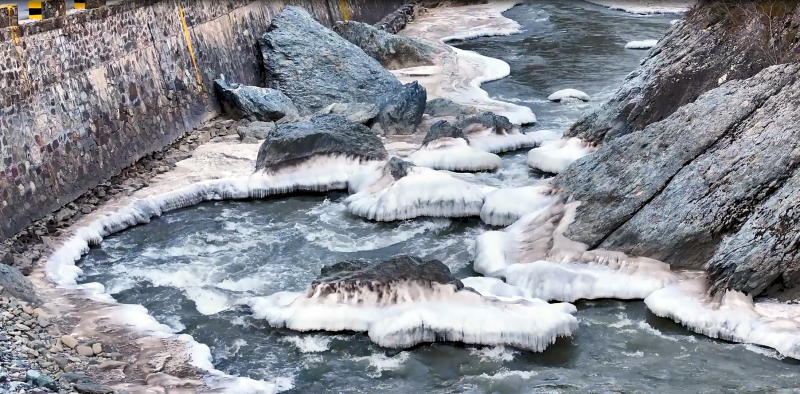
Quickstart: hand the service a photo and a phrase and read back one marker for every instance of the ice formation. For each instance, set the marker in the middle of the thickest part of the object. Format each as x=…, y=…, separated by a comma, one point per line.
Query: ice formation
x=503, y=207
x=490, y=141
x=407, y=314
x=454, y=154
x=731, y=316
x=645, y=44
x=555, y=156
x=383, y=196
x=320, y=173
x=534, y=255
x=568, y=93
x=646, y=7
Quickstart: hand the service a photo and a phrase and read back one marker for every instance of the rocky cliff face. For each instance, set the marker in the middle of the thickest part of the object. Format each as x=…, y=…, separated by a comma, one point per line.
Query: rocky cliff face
x=700, y=150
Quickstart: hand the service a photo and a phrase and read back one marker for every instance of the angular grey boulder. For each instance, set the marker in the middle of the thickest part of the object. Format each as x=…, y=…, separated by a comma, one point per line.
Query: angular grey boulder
x=253, y=102
x=316, y=67
x=254, y=131
x=14, y=283
x=500, y=124
x=702, y=186
x=393, y=52
x=441, y=107
x=397, y=168
x=349, y=276
x=332, y=135
x=401, y=113
x=443, y=129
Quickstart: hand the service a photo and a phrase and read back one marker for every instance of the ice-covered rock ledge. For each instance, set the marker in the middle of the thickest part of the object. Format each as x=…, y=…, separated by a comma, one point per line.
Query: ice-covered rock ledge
x=646, y=7
x=458, y=74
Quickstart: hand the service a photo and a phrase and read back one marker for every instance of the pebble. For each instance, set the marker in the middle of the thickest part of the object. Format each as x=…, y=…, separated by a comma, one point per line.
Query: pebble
x=69, y=341
x=97, y=348
x=85, y=351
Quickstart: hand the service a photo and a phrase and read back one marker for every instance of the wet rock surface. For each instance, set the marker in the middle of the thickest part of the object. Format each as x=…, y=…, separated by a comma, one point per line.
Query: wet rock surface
x=350, y=275
x=703, y=185
x=443, y=129
x=332, y=135
x=714, y=44
x=253, y=102
x=392, y=51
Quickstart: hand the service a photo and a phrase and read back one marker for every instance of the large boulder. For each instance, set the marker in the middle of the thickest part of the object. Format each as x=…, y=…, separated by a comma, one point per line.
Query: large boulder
x=705, y=185
x=15, y=284
x=316, y=67
x=253, y=102
x=331, y=135
x=393, y=52
x=350, y=276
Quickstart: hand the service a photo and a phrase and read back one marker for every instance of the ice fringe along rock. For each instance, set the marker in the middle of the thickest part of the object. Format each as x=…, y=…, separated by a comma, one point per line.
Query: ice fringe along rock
x=568, y=93
x=403, y=191
x=533, y=255
x=555, y=156
x=645, y=44
x=496, y=134
x=454, y=154
x=503, y=207
x=400, y=303
x=730, y=315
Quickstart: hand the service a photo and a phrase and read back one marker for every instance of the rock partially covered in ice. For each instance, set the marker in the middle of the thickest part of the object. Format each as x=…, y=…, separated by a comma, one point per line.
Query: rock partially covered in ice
x=392, y=51
x=316, y=67
x=496, y=134
x=253, y=102
x=567, y=94
x=485, y=120
x=503, y=207
x=645, y=44
x=402, y=111
x=362, y=113
x=730, y=315
x=402, y=302
x=555, y=156
x=347, y=277
x=328, y=135
x=17, y=285
x=443, y=129
x=441, y=107
x=383, y=196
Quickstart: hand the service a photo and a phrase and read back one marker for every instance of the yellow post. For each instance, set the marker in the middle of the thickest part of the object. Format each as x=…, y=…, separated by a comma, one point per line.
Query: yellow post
x=191, y=51
x=345, y=11
x=35, y=10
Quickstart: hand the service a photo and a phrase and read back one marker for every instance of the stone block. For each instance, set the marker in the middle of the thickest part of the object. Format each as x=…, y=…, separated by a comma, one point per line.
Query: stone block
x=9, y=15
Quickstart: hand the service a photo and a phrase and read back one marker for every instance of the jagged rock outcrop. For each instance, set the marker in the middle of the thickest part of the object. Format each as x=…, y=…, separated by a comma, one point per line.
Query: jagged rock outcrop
x=348, y=276
x=440, y=107
x=702, y=186
x=13, y=283
x=392, y=51
x=717, y=42
x=315, y=68
x=398, y=19
x=253, y=102
x=331, y=135
x=443, y=129
x=489, y=120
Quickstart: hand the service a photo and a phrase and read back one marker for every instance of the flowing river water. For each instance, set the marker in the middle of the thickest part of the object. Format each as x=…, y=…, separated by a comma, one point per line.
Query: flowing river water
x=189, y=267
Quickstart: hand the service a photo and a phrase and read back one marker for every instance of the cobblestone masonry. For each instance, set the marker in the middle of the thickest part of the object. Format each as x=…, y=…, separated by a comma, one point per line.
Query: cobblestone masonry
x=86, y=95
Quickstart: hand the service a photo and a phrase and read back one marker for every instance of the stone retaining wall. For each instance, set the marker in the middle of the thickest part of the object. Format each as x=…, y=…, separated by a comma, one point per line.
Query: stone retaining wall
x=86, y=95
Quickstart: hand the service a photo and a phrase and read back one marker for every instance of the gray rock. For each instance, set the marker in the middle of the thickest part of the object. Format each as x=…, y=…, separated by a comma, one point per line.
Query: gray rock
x=393, y=52
x=17, y=285
x=440, y=107
x=254, y=131
x=93, y=388
x=69, y=341
x=84, y=350
x=254, y=103
x=443, y=129
x=323, y=135
x=349, y=275
x=402, y=113
x=73, y=377
x=694, y=57
x=500, y=124
x=397, y=168
x=316, y=67
x=714, y=170
x=362, y=113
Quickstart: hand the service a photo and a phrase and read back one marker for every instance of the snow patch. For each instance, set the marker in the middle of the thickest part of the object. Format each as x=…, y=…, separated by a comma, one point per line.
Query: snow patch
x=644, y=44
x=555, y=156
x=645, y=7
x=568, y=93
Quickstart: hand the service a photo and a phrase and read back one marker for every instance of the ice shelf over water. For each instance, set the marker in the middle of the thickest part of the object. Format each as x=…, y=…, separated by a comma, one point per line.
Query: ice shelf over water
x=568, y=93
x=505, y=206
x=408, y=314
x=555, y=156
x=454, y=154
x=644, y=44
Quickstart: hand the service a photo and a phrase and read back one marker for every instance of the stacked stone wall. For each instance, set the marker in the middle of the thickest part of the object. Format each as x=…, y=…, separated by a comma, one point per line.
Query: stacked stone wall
x=86, y=95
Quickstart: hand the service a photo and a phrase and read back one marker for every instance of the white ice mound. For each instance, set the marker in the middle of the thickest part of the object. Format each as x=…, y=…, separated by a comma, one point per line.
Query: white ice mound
x=318, y=174
x=568, y=93
x=533, y=254
x=645, y=44
x=731, y=316
x=420, y=314
x=555, y=156
x=454, y=154
x=646, y=7
x=421, y=191
x=512, y=140
x=503, y=207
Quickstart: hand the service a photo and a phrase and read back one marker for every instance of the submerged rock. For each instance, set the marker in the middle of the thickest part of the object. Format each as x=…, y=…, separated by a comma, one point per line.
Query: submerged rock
x=316, y=67
x=392, y=51
x=14, y=283
x=253, y=102
x=329, y=135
